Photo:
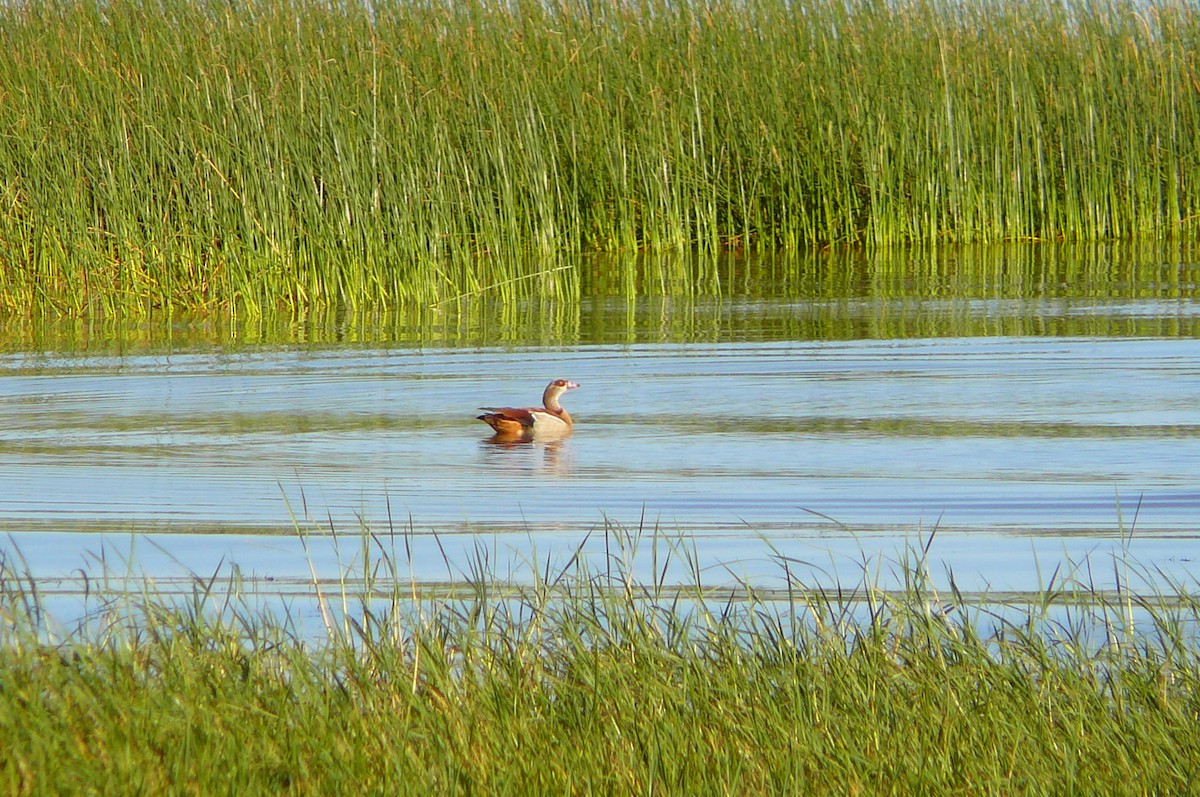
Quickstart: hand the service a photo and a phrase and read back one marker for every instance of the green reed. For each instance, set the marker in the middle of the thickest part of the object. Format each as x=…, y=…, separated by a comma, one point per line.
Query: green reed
x=576, y=677
x=275, y=154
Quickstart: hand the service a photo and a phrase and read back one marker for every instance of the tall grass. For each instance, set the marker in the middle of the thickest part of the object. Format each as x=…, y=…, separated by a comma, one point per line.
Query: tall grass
x=580, y=679
x=297, y=154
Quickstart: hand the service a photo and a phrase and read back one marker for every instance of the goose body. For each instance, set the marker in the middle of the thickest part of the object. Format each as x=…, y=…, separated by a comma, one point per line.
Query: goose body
x=548, y=420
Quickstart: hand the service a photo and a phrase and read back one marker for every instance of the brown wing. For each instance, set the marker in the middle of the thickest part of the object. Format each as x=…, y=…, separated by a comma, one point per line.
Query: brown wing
x=508, y=420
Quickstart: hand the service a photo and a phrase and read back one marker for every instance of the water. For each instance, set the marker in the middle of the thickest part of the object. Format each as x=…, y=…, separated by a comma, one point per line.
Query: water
x=1024, y=434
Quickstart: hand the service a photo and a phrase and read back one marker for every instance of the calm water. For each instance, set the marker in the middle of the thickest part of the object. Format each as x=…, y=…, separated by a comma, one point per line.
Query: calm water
x=1028, y=430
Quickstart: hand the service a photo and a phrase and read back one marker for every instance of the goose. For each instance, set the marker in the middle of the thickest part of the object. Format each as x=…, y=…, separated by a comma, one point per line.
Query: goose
x=550, y=419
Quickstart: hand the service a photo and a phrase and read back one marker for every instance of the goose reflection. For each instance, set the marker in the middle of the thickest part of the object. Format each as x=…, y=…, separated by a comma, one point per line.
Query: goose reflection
x=529, y=454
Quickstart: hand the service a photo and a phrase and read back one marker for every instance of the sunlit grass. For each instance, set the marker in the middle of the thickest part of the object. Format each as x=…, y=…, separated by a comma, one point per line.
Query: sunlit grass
x=577, y=677
x=296, y=155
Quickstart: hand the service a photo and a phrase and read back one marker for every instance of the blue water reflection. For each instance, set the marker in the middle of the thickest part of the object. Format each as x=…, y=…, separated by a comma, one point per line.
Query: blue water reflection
x=1023, y=452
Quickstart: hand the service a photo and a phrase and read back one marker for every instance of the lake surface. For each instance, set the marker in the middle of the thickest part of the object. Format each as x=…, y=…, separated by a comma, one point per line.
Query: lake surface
x=1055, y=430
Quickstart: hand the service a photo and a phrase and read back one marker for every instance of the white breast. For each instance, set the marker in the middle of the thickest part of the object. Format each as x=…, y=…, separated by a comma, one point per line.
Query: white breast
x=548, y=422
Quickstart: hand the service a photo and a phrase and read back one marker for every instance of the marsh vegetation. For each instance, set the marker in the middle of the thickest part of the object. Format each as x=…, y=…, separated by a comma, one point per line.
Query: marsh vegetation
x=246, y=246
x=580, y=679
x=303, y=155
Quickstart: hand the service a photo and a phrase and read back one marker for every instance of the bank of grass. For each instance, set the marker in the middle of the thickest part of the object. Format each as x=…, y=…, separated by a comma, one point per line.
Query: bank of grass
x=297, y=154
x=586, y=681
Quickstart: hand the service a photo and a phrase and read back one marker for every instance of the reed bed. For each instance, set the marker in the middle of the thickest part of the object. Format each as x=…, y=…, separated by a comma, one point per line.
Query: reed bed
x=293, y=154
x=579, y=679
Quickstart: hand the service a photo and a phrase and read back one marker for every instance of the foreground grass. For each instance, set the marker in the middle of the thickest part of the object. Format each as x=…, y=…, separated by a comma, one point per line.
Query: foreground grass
x=586, y=682
x=302, y=154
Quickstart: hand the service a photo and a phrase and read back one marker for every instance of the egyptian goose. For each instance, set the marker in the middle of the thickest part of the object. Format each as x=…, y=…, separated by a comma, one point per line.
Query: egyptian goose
x=548, y=420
